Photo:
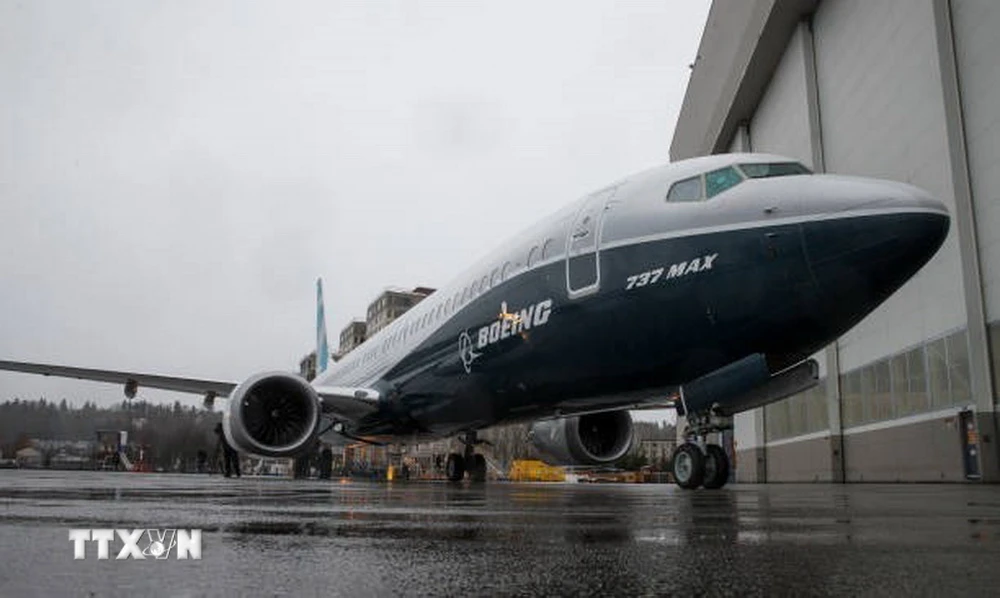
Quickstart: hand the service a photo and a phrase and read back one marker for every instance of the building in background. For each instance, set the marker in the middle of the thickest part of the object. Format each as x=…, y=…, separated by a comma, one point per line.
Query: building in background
x=390, y=305
x=351, y=336
x=658, y=453
x=307, y=366
x=905, y=90
x=387, y=307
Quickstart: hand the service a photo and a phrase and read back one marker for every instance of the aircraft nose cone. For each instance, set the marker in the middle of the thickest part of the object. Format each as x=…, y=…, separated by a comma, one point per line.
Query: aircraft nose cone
x=907, y=196
x=860, y=256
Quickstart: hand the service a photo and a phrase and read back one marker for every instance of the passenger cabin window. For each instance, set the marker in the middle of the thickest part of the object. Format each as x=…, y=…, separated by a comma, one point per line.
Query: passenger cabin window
x=760, y=171
x=718, y=181
x=533, y=256
x=686, y=190
x=548, y=248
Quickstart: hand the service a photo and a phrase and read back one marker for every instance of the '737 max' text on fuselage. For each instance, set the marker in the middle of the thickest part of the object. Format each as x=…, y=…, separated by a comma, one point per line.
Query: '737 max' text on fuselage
x=705, y=284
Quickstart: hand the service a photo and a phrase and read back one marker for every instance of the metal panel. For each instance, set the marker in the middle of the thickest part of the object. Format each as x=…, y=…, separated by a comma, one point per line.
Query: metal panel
x=882, y=115
x=803, y=461
x=977, y=47
x=932, y=453
x=781, y=123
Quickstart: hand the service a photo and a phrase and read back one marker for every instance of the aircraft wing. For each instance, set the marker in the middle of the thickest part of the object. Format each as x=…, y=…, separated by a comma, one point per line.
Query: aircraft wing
x=192, y=385
x=345, y=403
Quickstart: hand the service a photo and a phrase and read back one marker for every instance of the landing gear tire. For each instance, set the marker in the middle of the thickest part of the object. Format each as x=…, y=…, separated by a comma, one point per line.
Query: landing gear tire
x=716, y=467
x=455, y=467
x=477, y=469
x=688, y=466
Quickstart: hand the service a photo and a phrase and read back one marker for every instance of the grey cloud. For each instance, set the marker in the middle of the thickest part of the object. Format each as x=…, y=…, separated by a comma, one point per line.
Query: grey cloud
x=174, y=176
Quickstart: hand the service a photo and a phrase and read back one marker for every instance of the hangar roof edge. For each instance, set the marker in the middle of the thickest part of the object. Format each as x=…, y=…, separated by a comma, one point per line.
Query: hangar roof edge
x=740, y=48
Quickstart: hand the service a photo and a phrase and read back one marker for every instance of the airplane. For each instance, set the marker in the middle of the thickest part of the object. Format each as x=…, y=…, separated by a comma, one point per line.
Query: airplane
x=704, y=285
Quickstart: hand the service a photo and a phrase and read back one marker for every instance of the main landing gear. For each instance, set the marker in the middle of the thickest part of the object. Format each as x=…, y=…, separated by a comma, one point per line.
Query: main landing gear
x=469, y=462
x=697, y=463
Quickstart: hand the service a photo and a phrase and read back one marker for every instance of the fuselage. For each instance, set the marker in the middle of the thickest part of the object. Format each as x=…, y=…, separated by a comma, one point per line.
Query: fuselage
x=642, y=286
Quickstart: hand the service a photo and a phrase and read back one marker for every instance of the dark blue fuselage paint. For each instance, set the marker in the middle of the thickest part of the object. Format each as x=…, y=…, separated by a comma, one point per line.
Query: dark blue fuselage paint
x=783, y=291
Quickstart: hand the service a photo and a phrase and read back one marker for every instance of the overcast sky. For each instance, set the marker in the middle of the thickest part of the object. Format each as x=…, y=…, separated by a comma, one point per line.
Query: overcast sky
x=175, y=175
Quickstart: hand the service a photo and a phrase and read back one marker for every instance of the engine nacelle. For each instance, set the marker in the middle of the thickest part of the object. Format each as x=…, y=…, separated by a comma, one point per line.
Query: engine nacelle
x=273, y=414
x=595, y=439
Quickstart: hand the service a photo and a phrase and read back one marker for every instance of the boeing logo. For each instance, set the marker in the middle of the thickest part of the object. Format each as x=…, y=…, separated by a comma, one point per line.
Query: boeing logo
x=465, y=351
x=508, y=324
x=511, y=323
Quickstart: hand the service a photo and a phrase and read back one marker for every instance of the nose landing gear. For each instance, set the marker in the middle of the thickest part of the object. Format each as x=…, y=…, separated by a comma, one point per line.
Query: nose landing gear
x=697, y=463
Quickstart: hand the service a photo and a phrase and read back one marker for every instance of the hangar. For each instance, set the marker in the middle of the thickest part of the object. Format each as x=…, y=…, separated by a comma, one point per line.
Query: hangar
x=906, y=90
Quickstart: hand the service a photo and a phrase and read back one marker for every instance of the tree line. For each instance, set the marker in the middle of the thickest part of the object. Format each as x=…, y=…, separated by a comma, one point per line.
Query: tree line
x=169, y=434
x=173, y=435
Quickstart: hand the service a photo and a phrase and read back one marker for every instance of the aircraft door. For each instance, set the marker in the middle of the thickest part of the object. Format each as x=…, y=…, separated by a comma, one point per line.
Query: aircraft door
x=583, y=274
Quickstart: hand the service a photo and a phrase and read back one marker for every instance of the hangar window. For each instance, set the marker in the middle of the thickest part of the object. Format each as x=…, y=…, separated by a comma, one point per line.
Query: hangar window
x=505, y=272
x=686, y=190
x=761, y=171
x=718, y=181
x=495, y=277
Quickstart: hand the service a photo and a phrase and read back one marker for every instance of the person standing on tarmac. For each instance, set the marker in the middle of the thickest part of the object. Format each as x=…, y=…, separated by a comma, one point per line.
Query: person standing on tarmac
x=230, y=458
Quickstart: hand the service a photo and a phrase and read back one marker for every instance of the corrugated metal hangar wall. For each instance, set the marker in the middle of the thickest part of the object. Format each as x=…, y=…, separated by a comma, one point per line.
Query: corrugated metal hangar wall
x=907, y=90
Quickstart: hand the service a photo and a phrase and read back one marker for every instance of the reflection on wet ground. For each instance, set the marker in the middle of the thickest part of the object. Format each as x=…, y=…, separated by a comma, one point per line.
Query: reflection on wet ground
x=275, y=536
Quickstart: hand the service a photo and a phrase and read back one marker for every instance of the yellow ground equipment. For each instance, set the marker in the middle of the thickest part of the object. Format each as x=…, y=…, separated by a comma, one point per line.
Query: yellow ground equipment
x=527, y=470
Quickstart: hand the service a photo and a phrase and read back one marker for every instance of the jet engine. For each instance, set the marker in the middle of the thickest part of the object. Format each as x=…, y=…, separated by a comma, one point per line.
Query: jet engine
x=594, y=439
x=273, y=414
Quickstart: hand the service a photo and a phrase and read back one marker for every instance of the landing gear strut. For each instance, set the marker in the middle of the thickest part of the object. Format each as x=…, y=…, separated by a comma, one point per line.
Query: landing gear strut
x=697, y=463
x=455, y=467
x=469, y=462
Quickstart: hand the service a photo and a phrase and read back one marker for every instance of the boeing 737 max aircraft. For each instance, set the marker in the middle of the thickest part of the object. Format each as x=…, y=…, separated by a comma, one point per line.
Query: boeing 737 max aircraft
x=704, y=284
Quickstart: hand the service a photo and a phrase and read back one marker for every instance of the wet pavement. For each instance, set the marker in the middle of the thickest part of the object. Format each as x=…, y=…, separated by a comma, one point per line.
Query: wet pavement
x=277, y=536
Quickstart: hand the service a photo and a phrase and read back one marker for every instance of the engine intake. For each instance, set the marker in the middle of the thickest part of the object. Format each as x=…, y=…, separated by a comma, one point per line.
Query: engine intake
x=595, y=439
x=273, y=414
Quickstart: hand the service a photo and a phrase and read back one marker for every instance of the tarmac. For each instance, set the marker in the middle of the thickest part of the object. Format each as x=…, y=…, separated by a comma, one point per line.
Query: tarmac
x=264, y=536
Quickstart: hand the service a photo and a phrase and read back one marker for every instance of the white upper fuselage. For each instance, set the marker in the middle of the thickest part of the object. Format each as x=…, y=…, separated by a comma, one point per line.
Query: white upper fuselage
x=636, y=211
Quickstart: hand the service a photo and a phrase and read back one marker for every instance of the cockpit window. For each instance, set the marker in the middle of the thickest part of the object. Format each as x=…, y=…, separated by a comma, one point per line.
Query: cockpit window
x=760, y=171
x=718, y=181
x=686, y=190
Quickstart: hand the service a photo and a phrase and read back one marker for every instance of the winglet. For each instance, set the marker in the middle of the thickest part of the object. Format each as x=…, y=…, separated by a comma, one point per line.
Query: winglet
x=322, y=349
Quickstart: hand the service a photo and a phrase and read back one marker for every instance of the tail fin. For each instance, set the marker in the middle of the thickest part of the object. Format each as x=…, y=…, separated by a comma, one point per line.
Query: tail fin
x=322, y=349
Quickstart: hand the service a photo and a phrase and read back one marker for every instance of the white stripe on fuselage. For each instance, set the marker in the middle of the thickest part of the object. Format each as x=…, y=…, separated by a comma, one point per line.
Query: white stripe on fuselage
x=366, y=374
x=801, y=219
